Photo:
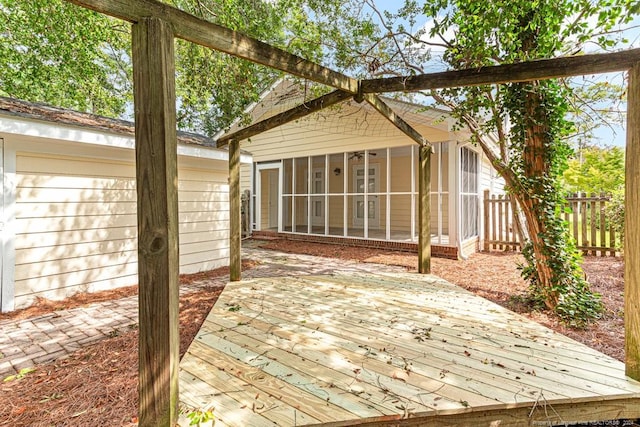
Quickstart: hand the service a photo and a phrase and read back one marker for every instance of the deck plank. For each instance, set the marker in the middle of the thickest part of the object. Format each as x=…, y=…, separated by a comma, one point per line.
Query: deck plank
x=198, y=394
x=522, y=339
x=370, y=348
x=466, y=372
x=264, y=399
x=403, y=345
x=321, y=395
x=363, y=370
x=515, y=349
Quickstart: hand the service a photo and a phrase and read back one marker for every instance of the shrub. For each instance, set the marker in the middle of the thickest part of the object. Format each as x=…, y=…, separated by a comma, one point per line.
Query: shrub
x=614, y=213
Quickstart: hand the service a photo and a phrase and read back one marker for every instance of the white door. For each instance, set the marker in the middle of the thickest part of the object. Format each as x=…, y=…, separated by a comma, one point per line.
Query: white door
x=317, y=201
x=274, y=196
x=373, y=206
x=267, y=215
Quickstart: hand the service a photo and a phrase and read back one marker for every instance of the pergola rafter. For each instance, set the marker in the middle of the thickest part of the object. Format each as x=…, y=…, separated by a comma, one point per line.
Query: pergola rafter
x=154, y=26
x=295, y=113
x=380, y=106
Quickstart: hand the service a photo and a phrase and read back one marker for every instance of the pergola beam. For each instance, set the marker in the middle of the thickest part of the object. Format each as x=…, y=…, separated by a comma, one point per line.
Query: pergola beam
x=280, y=119
x=376, y=102
x=508, y=73
x=205, y=33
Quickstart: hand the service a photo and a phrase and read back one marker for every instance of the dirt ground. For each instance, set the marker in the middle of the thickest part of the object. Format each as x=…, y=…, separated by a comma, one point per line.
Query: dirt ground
x=97, y=385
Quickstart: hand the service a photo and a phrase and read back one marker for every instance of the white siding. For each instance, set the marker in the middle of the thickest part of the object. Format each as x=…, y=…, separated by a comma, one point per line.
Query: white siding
x=75, y=223
x=489, y=178
x=349, y=128
x=245, y=177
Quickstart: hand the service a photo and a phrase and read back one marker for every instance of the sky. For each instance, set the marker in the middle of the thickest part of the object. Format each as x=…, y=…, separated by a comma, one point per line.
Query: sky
x=605, y=135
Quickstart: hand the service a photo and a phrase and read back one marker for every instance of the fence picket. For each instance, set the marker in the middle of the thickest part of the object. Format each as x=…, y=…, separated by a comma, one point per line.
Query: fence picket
x=612, y=240
x=487, y=216
x=500, y=225
x=574, y=209
x=494, y=209
x=603, y=225
x=583, y=223
x=593, y=218
x=585, y=215
x=514, y=230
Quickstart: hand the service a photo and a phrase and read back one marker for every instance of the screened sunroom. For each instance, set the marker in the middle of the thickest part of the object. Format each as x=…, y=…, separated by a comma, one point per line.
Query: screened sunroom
x=370, y=194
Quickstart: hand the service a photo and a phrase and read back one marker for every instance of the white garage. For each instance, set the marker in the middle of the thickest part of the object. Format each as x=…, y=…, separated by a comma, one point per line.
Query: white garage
x=68, y=203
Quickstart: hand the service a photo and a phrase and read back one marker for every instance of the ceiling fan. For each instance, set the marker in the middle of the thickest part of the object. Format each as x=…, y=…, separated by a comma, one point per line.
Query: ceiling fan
x=358, y=155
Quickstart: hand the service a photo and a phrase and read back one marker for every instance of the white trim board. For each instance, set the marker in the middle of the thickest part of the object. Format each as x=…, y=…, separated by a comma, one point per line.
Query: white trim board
x=7, y=284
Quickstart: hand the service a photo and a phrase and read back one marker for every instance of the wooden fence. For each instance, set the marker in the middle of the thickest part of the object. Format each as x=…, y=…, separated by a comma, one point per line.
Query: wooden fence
x=585, y=216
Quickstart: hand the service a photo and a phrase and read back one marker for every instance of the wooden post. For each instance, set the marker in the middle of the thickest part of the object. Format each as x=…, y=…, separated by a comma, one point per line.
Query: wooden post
x=157, y=189
x=424, y=210
x=632, y=228
x=235, y=220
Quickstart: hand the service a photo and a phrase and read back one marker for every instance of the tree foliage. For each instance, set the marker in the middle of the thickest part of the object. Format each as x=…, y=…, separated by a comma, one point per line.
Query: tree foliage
x=68, y=56
x=213, y=88
x=61, y=54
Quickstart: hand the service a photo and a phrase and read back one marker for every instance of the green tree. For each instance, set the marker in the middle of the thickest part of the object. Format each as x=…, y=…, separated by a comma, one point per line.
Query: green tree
x=213, y=88
x=65, y=55
x=61, y=54
x=595, y=170
x=522, y=128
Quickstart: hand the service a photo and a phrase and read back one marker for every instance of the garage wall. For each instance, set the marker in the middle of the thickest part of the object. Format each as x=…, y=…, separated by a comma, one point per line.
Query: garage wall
x=75, y=223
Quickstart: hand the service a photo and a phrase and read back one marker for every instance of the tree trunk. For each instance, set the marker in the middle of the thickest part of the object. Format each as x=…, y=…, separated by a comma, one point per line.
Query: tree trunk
x=536, y=227
x=536, y=167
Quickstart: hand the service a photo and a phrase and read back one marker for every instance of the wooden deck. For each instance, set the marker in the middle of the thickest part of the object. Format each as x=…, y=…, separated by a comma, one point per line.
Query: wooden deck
x=377, y=349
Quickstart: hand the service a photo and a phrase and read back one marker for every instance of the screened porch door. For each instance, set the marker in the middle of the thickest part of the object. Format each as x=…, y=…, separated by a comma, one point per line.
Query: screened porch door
x=373, y=206
x=317, y=202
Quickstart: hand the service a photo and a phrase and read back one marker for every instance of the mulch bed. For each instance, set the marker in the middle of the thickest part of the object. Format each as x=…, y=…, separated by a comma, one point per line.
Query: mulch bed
x=97, y=385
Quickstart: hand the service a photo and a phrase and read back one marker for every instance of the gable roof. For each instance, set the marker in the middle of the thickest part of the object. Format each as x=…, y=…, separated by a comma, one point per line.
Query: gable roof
x=348, y=117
